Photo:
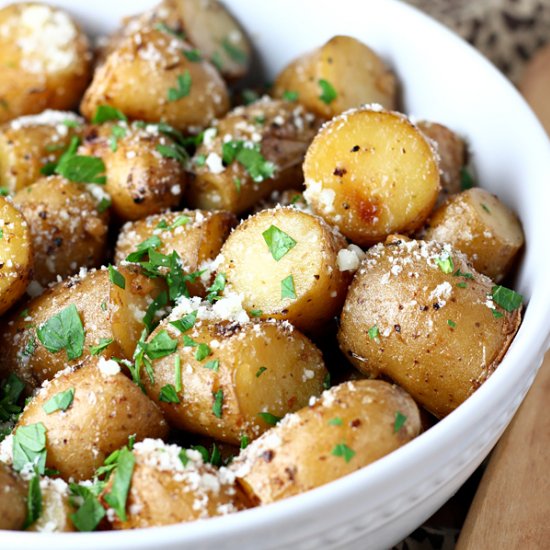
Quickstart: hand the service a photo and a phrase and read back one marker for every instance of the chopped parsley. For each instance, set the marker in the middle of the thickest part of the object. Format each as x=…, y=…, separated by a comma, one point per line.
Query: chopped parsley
x=103, y=343
x=213, y=292
x=255, y=313
x=459, y=273
x=29, y=447
x=116, y=498
x=249, y=96
x=213, y=365
x=186, y=322
x=217, y=406
x=117, y=132
x=78, y=168
x=163, y=27
x=445, y=263
x=506, y=298
x=193, y=55
x=149, y=319
x=174, y=151
x=269, y=418
x=374, y=332
x=245, y=441
x=342, y=450
x=217, y=61
x=11, y=389
x=278, y=242
x=236, y=54
x=249, y=155
x=199, y=160
x=160, y=346
x=289, y=95
x=168, y=394
x=183, y=87
x=116, y=277
x=328, y=93
x=238, y=184
x=105, y=113
x=91, y=512
x=326, y=381
x=497, y=314
x=103, y=205
x=335, y=421
x=260, y=371
x=452, y=324
x=63, y=330
x=202, y=352
x=486, y=208
x=466, y=179
x=462, y=285
x=4, y=192
x=59, y=402
x=287, y=288
x=34, y=501
x=400, y=420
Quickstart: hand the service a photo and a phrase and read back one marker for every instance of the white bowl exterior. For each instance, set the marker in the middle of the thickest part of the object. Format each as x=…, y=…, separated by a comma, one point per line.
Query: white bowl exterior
x=443, y=80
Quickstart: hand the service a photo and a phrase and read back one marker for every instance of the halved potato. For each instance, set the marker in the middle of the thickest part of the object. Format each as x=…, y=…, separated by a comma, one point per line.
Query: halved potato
x=342, y=74
x=16, y=257
x=297, y=276
x=370, y=173
x=480, y=225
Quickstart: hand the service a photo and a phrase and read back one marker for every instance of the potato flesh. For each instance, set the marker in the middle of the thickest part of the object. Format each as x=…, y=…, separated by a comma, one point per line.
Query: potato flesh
x=482, y=227
x=283, y=131
x=319, y=284
x=67, y=231
x=301, y=453
x=356, y=72
x=15, y=254
x=437, y=340
x=77, y=446
x=371, y=173
x=106, y=311
x=157, y=58
x=13, y=492
x=294, y=371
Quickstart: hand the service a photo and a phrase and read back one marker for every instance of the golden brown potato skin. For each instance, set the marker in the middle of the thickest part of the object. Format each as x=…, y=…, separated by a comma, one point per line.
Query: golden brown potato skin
x=156, y=58
x=56, y=508
x=294, y=371
x=319, y=285
x=437, y=340
x=371, y=173
x=106, y=311
x=164, y=495
x=28, y=143
x=140, y=180
x=452, y=155
x=356, y=73
x=106, y=410
x=16, y=257
x=45, y=60
x=13, y=494
x=478, y=224
x=283, y=131
x=67, y=230
x=299, y=453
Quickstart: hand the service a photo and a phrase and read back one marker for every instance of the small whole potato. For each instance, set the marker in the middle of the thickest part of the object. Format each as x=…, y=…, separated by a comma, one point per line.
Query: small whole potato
x=67, y=230
x=29, y=143
x=347, y=428
x=371, y=173
x=418, y=313
x=168, y=489
x=285, y=263
x=480, y=225
x=16, y=255
x=13, y=496
x=142, y=178
x=268, y=140
x=45, y=59
x=149, y=77
x=340, y=75
x=86, y=311
x=236, y=378
x=107, y=408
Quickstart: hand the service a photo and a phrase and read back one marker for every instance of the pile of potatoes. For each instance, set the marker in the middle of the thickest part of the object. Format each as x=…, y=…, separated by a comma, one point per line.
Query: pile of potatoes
x=211, y=299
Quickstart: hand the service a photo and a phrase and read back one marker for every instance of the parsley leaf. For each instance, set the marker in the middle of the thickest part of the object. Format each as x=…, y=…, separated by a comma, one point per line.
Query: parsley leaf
x=34, y=501
x=103, y=343
x=466, y=179
x=105, y=113
x=328, y=93
x=82, y=169
x=249, y=155
x=217, y=406
x=452, y=324
x=287, y=288
x=269, y=418
x=260, y=371
x=213, y=292
x=10, y=390
x=90, y=513
x=506, y=298
x=149, y=319
x=202, y=352
x=445, y=263
x=63, y=330
x=341, y=449
x=116, y=277
x=278, y=242
x=59, y=402
x=400, y=419
x=116, y=499
x=289, y=95
x=245, y=441
x=336, y=421
x=255, y=313
x=497, y=314
x=213, y=365
x=117, y=132
x=374, y=332
x=168, y=394
x=193, y=55
x=160, y=346
x=186, y=322
x=183, y=87
x=29, y=446
x=236, y=54
x=174, y=151
x=249, y=96
x=163, y=27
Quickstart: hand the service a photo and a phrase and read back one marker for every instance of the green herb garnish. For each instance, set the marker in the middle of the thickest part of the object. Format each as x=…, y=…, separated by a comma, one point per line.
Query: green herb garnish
x=374, y=332
x=63, y=330
x=168, y=394
x=287, y=288
x=103, y=343
x=217, y=406
x=269, y=418
x=116, y=277
x=186, y=322
x=400, y=419
x=289, y=95
x=213, y=365
x=328, y=93
x=278, y=242
x=183, y=87
x=59, y=402
x=105, y=113
x=506, y=298
x=260, y=371
x=116, y=499
x=342, y=450
x=249, y=155
x=29, y=447
x=445, y=263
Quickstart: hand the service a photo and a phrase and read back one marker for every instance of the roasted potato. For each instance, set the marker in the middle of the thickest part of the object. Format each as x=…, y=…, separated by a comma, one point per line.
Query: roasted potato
x=13, y=499
x=45, y=60
x=29, y=143
x=16, y=258
x=149, y=77
x=106, y=312
x=68, y=232
x=342, y=74
x=56, y=510
x=264, y=152
x=452, y=153
x=107, y=407
x=236, y=378
x=168, y=489
x=142, y=176
x=197, y=236
x=285, y=263
x=371, y=173
x=347, y=428
x=418, y=313
x=480, y=225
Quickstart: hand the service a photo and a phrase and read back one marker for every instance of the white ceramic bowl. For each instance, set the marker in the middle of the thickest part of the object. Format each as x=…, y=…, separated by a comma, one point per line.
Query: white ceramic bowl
x=443, y=80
